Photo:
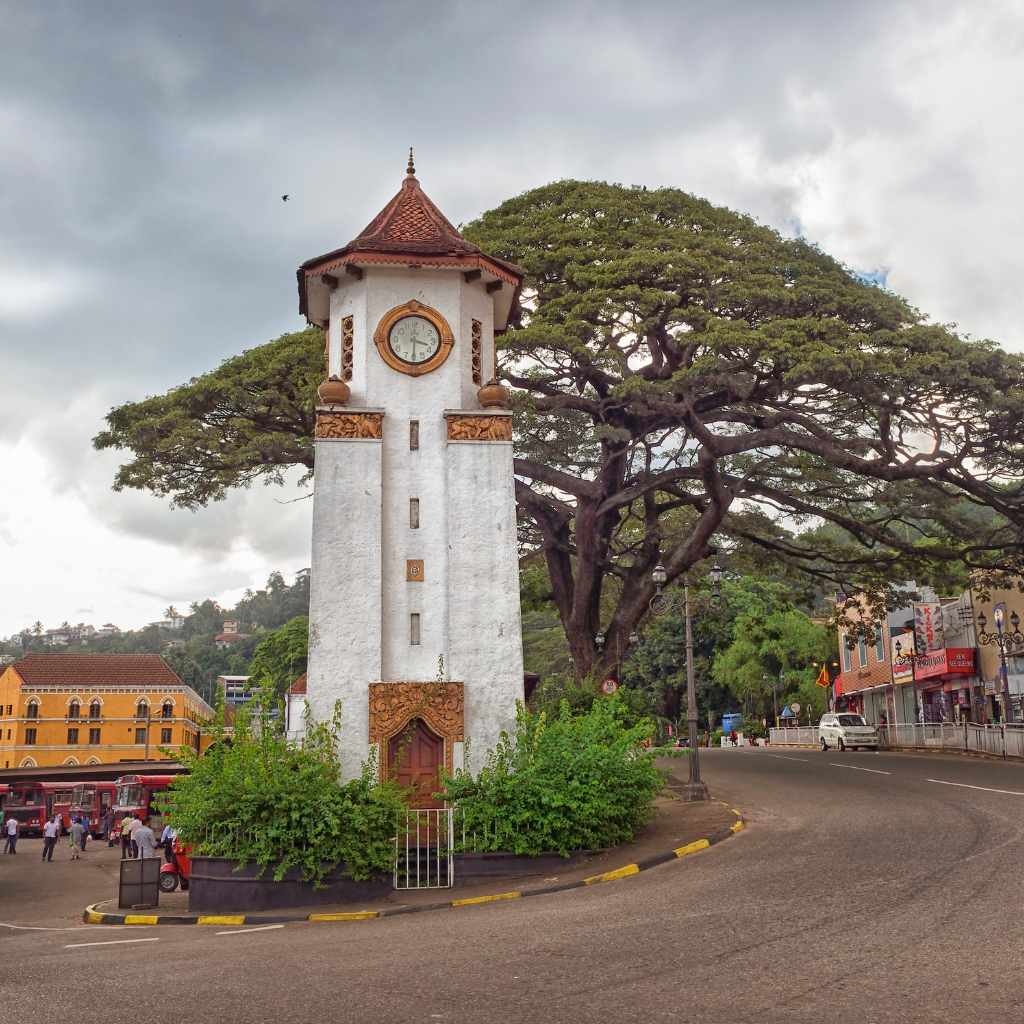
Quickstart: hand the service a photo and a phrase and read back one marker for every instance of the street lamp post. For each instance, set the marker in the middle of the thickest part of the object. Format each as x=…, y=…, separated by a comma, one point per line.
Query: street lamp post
x=911, y=658
x=1002, y=640
x=696, y=788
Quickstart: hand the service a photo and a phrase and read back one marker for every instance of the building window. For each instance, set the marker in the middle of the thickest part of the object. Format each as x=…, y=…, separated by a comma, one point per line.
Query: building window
x=74, y=709
x=10, y=709
x=8, y=733
x=167, y=711
x=140, y=735
x=30, y=737
x=414, y=513
x=73, y=737
x=414, y=629
x=847, y=656
x=32, y=711
x=880, y=648
x=165, y=735
x=94, y=709
x=414, y=435
x=347, y=335
x=477, y=346
x=862, y=652
x=142, y=710
x=94, y=737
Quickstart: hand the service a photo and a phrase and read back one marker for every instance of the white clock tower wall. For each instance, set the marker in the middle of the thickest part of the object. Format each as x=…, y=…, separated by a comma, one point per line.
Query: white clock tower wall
x=414, y=532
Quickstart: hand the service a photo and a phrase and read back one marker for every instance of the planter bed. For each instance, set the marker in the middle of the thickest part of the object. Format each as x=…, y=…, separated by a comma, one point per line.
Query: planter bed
x=219, y=884
x=515, y=865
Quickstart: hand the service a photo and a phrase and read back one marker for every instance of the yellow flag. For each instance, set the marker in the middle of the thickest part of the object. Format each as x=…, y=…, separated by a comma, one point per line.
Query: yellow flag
x=822, y=679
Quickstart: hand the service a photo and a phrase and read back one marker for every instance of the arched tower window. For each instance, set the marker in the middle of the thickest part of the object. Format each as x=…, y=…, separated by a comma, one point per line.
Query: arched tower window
x=32, y=711
x=167, y=711
x=74, y=709
x=142, y=709
x=94, y=709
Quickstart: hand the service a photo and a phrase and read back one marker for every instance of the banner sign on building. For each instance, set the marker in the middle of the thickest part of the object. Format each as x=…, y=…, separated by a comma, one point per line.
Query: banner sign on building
x=928, y=631
x=931, y=664
x=902, y=671
x=960, y=661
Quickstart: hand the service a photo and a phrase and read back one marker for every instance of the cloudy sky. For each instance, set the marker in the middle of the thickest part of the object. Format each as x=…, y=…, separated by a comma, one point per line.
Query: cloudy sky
x=144, y=148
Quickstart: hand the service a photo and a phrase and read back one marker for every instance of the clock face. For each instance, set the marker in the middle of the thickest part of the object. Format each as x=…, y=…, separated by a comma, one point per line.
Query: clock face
x=414, y=339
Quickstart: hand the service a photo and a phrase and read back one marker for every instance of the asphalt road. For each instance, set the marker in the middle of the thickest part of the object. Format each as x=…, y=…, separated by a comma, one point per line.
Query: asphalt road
x=867, y=888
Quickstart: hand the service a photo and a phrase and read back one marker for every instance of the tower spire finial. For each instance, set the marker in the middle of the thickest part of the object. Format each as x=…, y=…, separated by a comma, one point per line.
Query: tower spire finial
x=411, y=168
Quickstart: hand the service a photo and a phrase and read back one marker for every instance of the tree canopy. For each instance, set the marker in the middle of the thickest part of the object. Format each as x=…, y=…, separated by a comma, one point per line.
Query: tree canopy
x=684, y=378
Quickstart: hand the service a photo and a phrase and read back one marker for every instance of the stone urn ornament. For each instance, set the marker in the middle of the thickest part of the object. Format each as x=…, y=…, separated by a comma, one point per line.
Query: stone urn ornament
x=334, y=391
x=494, y=395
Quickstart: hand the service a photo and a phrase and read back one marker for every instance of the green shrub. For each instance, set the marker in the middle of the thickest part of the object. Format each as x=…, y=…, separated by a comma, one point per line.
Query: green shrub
x=258, y=799
x=568, y=782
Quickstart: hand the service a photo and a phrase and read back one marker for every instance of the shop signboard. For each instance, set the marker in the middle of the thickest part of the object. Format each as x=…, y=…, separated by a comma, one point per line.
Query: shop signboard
x=960, y=661
x=902, y=671
x=930, y=665
x=928, y=631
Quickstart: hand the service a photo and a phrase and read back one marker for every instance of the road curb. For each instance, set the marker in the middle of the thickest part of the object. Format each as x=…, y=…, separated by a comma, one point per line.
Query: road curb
x=93, y=916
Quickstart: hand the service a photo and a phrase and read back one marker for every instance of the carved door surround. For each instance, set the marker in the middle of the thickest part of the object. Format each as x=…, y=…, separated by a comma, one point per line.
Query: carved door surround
x=394, y=705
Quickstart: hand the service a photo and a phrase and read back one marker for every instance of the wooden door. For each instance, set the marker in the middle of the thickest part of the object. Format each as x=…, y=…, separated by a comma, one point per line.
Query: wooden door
x=415, y=757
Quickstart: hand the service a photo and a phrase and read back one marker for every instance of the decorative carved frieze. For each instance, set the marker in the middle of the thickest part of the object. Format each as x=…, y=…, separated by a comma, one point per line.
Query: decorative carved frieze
x=394, y=705
x=479, y=428
x=349, y=425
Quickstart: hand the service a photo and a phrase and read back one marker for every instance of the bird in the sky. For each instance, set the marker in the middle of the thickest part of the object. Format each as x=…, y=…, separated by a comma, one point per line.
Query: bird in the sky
x=284, y=198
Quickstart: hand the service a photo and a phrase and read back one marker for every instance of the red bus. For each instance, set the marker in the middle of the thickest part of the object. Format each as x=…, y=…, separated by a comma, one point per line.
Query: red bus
x=92, y=800
x=35, y=803
x=137, y=795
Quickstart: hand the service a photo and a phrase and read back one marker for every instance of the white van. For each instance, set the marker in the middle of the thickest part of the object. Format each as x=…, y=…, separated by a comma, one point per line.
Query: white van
x=846, y=731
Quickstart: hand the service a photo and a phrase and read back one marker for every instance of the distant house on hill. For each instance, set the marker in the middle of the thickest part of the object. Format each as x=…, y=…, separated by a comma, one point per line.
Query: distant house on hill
x=230, y=635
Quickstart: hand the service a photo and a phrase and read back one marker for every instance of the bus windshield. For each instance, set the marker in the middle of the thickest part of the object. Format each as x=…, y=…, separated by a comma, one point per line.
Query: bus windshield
x=83, y=796
x=129, y=795
x=21, y=798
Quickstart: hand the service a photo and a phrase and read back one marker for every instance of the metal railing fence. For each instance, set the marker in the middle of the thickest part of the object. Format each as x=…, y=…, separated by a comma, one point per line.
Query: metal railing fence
x=1003, y=740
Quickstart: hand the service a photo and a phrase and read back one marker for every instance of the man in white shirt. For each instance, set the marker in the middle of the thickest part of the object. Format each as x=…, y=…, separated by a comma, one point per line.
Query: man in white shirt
x=51, y=833
x=11, y=827
x=133, y=826
x=145, y=840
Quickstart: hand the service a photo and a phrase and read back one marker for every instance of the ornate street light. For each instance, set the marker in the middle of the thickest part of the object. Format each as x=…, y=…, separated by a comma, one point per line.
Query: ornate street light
x=696, y=788
x=1004, y=641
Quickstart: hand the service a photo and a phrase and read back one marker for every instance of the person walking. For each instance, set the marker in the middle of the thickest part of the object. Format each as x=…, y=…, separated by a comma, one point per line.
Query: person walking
x=83, y=822
x=145, y=840
x=51, y=833
x=77, y=838
x=107, y=827
x=133, y=826
x=126, y=837
x=11, y=828
x=167, y=837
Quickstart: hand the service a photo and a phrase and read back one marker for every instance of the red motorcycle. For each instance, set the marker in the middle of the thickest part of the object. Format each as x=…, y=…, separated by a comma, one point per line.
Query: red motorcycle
x=177, y=870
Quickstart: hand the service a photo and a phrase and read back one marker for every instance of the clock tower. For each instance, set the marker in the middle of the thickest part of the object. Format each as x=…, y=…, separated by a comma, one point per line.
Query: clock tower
x=414, y=596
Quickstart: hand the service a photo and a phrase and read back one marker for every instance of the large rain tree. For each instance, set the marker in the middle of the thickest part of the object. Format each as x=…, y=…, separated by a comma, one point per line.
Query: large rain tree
x=685, y=378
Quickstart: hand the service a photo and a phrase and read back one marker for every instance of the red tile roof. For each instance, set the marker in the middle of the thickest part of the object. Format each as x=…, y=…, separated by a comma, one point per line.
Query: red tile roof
x=410, y=226
x=90, y=670
x=299, y=686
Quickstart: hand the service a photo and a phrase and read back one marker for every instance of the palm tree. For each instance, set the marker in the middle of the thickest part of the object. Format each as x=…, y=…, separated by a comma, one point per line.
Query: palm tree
x=170, y=612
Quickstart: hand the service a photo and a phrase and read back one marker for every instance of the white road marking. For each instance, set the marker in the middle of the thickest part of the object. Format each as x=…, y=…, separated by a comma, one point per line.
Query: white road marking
x=246, y=931
x=782, y=757
x=43, y=928
x=983, y=789
x=115, y=942
x=857, y=768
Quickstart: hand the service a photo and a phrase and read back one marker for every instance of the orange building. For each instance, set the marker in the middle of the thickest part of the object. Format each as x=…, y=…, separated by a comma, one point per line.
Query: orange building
x=70, y=709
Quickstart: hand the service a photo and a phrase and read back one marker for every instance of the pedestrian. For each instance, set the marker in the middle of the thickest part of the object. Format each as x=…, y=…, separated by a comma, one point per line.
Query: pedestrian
x=167, y=837
x=145, y=839
x=11, y=828
x=107, y=827
x=133, y=826
x=51, y=833
x=84, y=822
x=77, y=838
x=126, y=837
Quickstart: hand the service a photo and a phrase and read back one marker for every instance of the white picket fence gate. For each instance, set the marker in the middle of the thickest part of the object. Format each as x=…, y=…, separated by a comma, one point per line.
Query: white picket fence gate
x=999, y=740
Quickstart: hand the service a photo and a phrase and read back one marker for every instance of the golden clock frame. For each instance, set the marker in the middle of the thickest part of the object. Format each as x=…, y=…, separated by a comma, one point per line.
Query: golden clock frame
x=413, y=308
